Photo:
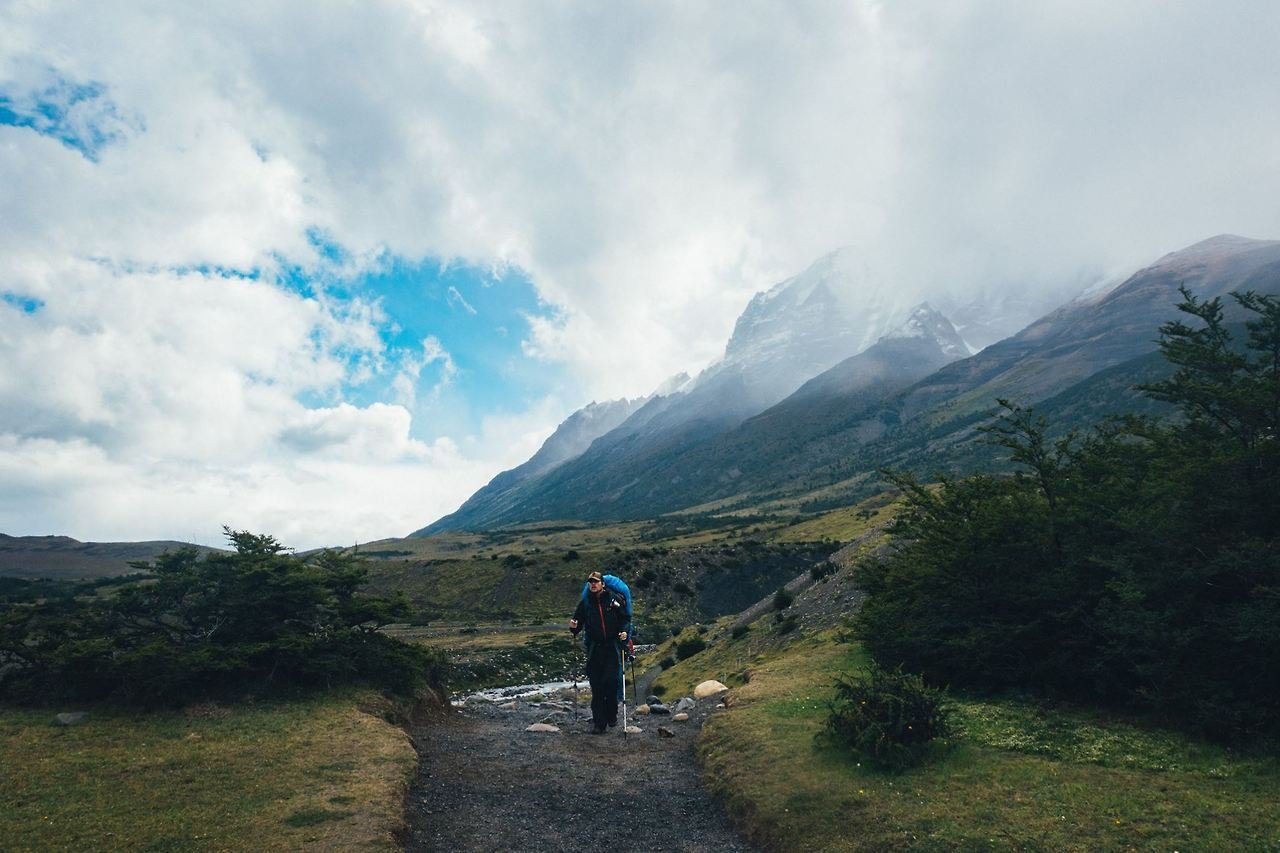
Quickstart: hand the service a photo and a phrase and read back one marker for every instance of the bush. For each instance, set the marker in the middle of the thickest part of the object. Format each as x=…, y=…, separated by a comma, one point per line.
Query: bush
x=782, y=599
x=686, y=649
x=818, y=571
x=739, y=631
x=258, y=618
x=889, y=718
x=667, y=662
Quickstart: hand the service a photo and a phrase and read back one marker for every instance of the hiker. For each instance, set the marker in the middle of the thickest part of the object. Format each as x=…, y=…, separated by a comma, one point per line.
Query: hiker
x=604, y=615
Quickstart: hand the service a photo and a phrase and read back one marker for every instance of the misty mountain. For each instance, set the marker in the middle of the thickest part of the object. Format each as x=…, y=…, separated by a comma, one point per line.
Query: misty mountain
x=911, y=401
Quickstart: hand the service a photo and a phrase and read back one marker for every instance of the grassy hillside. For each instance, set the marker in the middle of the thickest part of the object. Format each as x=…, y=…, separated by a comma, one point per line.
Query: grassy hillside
x=324, y=773
x=1017, y=776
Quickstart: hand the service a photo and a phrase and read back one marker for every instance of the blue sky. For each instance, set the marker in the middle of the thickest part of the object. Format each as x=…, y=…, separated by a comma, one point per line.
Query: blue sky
x=323, y=276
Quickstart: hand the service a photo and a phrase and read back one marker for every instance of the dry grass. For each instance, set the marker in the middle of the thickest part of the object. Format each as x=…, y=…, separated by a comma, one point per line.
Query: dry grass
x=317, y=774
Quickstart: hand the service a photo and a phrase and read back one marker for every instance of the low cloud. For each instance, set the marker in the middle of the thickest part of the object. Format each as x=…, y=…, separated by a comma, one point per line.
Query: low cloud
x=177, y=344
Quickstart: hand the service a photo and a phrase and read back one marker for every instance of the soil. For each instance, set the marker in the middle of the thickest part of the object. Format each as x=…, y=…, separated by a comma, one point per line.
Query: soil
x=484, y=783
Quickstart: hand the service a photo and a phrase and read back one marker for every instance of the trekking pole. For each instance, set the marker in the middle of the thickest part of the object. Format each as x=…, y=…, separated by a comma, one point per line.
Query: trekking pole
x=621, y=662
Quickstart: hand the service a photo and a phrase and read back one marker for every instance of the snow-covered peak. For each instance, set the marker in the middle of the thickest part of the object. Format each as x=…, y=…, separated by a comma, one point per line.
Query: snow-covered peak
x=926, y=323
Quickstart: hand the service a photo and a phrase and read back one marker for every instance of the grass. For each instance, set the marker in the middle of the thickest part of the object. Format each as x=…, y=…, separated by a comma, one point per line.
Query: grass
x=317, y=773
x=1016, y=776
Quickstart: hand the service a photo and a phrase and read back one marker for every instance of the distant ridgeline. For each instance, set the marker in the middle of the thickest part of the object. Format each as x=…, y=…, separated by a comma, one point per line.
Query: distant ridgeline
x=801, y=416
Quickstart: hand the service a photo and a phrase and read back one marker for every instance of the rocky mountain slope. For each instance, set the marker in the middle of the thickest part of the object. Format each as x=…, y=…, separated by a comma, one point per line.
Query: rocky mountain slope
x=910, y=401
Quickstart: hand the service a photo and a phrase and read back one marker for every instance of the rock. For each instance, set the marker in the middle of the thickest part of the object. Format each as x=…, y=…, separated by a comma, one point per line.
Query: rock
x=652, y=700
x=542, y=727
x=720, y=706
x=663, y=731
x=642, y=709
x=707, y=689
x=685, y=704
x=659, y=709
x=70, y=718
x=510, y=706
x=634, y=730
x=681, y=717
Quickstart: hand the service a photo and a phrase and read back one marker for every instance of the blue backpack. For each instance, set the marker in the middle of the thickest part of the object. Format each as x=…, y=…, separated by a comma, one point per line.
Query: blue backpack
x=616, y=584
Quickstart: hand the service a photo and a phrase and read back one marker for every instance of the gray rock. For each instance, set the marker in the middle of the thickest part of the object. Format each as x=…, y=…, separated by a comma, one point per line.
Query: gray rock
x=663, y=731
x=685, y=704
x=652, y=700
x=659, y=709
x=70, y=718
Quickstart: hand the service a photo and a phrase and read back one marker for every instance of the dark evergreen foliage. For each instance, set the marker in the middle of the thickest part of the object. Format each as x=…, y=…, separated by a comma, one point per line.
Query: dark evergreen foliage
x=891, y=718
x=199, y=625
x=1137, y=565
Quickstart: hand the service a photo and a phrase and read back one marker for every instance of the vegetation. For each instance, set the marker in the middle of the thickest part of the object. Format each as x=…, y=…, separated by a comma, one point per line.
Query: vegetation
x=326, y=772
x=202, y=625
x=890, y=718
x=1137, y=566
x=1018, y=775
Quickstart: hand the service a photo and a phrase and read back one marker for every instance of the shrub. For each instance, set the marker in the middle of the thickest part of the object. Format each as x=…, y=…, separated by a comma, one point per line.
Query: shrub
x=257, y=618
x=888, y=717
x=818, y=571
x=667, y=662
x=782, y=599
x=571, y=555
x=686, y=649
x=739, y=631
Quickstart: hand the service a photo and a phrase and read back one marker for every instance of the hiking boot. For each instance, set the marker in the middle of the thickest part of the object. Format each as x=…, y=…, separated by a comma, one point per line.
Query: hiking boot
x=597, y=730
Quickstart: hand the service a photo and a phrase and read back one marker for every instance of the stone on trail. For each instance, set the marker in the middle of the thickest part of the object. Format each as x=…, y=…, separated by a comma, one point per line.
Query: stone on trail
x=663, y=731
x=681, y=717
x=542, y=727
x=685, y=704
x=659, y=709
x=634, y=730
x=642, y=709
x=707, y=689
x=510, y=706
x=652, y=700
x=71, y=718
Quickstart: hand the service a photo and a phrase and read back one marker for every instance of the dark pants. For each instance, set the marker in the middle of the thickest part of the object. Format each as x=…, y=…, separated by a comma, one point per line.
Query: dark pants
x=602, y=672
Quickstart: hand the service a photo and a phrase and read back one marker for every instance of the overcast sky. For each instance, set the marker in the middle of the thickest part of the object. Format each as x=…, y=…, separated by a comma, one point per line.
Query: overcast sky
x=322, y=269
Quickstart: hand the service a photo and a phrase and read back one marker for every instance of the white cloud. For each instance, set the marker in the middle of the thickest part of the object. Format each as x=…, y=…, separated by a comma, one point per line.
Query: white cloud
x=649, y=165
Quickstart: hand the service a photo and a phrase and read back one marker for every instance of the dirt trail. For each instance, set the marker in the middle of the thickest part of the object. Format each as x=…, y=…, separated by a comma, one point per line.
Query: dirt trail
x=484, y=783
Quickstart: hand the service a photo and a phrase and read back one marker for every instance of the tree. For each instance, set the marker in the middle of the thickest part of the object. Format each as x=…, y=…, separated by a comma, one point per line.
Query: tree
x=257, y=618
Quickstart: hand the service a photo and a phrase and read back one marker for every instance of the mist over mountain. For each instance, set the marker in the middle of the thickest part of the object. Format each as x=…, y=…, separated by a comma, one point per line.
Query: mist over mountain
x=754, y=428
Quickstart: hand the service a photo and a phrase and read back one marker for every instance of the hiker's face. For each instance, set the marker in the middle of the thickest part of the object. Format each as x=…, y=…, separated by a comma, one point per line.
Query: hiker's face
x=594, y=586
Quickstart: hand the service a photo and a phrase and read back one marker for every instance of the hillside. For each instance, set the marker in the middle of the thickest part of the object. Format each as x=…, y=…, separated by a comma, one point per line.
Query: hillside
x=65, y=558
x=890, y=406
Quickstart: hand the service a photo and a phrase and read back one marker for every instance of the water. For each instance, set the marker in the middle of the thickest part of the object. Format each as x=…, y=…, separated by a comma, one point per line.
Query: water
x=515, y=691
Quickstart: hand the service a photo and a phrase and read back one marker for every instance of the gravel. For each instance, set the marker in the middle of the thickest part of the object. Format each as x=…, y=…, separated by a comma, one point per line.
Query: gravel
x=484, y=783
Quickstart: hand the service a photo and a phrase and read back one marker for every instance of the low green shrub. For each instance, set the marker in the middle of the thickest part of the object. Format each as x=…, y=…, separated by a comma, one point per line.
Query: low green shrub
x=686, y=649
x=891, y=718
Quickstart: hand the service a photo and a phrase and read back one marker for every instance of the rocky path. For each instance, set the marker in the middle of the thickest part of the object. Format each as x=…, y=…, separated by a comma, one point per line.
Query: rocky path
x=485, y=783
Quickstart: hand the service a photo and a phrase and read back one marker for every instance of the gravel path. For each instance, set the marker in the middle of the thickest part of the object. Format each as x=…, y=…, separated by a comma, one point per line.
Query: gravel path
x=484, y=783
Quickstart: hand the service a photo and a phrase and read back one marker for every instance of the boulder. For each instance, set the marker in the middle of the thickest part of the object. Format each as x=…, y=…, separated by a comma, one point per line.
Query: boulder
x=542, y=727
x=70, y=718
x=707, y=689
x=652, y=700
x=685, y=704
x=681, y=717
x=659, y=709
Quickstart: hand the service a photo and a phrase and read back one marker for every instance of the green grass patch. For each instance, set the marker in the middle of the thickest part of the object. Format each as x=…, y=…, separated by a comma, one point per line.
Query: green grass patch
x=1017, y=776
x=252, y=777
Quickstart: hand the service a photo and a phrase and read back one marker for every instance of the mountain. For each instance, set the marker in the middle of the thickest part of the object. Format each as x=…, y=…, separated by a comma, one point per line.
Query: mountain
x=67, y=558
x=910, y=402
x=785, y=336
